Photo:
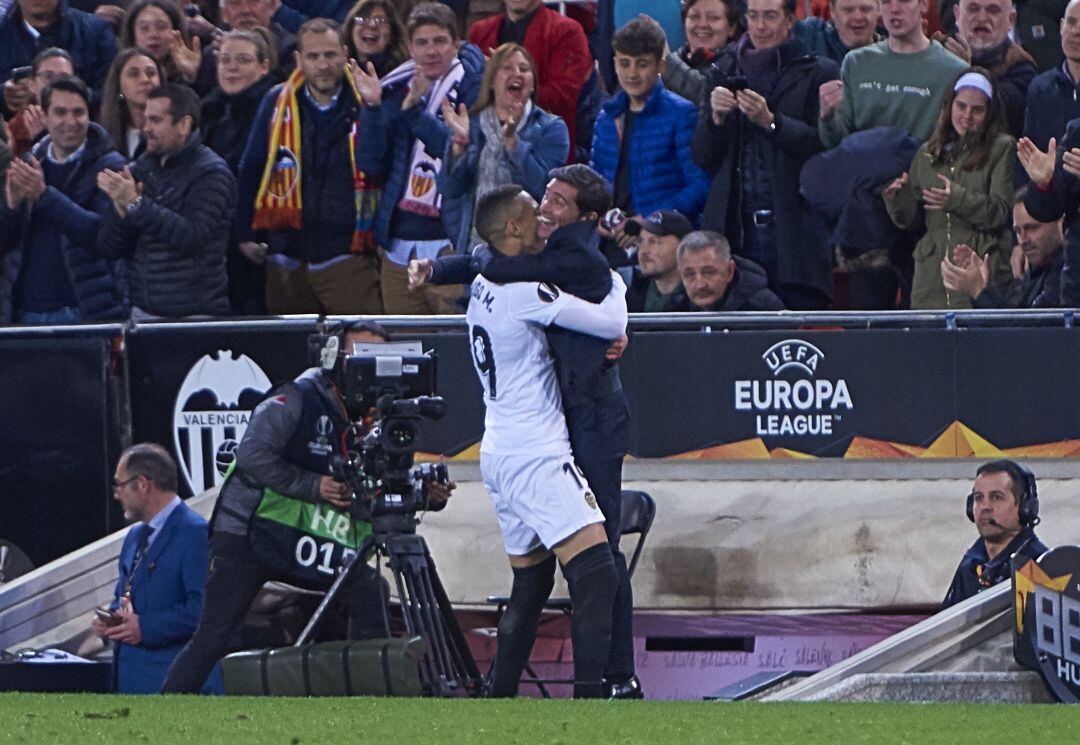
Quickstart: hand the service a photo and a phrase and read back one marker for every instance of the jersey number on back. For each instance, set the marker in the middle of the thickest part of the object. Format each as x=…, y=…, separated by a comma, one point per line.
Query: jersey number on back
x=484, y=358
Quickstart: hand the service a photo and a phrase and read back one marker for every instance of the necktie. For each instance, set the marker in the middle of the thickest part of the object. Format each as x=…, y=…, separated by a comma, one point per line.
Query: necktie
x=145, y=531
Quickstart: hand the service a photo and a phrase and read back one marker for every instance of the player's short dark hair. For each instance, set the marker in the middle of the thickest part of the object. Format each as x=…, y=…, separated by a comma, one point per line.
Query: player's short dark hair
x=182, y=102
x=432, y=14
x=494, y=209
x=154, y=462
x=318, y=26
x=701, y=240
x=1017, y=482
x=50, y=53
x=593, y=190
x=641, y=36
x=67, y=84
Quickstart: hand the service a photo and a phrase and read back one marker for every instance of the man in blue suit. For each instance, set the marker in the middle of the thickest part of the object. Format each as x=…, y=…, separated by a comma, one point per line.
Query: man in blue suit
x=159, y=593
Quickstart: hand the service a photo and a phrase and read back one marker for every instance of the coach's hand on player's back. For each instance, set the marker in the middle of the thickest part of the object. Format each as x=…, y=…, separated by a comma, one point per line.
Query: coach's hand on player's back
x=333, y=492
x=419, y=272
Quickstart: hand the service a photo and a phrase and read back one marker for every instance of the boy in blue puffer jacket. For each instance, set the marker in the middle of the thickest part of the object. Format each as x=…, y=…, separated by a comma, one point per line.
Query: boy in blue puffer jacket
x=641, y=142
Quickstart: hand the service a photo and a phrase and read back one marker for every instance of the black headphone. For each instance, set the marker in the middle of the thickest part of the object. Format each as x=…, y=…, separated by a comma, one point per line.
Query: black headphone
x=1020, y=474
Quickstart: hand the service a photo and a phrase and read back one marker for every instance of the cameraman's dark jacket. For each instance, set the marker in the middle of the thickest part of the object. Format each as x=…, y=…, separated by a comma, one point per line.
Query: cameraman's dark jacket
x=288, y=446
x=595, y=406
x=978, y=572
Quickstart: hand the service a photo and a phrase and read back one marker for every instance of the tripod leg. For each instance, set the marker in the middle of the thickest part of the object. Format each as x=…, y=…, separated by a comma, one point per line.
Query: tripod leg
x=316, y=617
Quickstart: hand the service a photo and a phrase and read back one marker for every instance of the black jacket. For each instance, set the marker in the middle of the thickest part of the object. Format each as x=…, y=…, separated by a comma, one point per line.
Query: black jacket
x=638, y=289
x=1062, y=199
x=1013, y=70
x=1053, y=100
x=227, y=120
x=748, y=290
x=326, y=178
x=977, y=572
x=804, y=256
x=75, y=209
x=844, y=185
x=1038, y=288
x=175, y=239
x=89, y=39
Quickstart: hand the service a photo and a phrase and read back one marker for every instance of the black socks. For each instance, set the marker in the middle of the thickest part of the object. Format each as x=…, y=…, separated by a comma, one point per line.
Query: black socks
x=592, y=579
x=517, y=627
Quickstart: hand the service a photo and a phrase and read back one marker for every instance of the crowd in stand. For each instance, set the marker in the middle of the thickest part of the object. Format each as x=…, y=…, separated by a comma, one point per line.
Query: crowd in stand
x=293, y=156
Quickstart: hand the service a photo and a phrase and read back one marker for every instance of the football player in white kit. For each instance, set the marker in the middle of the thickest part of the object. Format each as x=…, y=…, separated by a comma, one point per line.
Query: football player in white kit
x=542, y=501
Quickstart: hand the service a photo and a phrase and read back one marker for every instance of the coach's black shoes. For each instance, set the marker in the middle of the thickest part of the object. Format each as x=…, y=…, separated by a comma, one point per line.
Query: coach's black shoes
x=627, y=689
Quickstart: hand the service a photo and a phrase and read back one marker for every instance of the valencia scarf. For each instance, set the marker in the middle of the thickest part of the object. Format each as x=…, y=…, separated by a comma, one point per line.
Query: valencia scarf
x=279, y=202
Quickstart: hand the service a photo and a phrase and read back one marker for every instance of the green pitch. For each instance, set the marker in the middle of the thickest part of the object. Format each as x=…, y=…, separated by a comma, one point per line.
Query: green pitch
x=42, y=719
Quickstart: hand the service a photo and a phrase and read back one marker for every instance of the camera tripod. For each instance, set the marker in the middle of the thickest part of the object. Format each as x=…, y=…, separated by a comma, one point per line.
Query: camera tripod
x=448, y=667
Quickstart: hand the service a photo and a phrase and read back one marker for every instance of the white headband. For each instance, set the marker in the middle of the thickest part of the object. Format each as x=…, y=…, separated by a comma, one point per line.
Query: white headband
x=977, y=81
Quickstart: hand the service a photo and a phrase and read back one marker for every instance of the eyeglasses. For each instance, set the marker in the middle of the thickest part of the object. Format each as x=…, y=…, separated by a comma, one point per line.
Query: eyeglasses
x=371, y=20
x=117, y=485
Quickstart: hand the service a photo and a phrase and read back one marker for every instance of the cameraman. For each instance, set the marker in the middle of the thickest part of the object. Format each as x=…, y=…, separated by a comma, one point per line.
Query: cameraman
x=289, y=446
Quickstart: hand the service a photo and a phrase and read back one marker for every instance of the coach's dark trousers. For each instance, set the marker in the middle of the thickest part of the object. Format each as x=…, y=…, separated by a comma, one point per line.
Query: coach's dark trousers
x=598, y=436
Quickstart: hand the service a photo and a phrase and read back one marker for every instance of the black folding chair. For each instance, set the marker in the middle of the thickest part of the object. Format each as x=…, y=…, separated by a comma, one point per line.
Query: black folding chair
x=638, y=511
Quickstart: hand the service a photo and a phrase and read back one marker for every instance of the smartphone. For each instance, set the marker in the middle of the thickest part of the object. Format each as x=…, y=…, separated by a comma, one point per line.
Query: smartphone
x=22, y=73
x=737, y=83
x=107, y=616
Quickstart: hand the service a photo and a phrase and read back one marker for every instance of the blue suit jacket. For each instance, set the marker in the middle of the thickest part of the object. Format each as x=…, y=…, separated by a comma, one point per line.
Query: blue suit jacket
x=167, y=595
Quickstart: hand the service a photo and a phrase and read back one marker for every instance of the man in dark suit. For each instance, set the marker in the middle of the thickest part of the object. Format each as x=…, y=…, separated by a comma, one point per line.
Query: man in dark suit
x=597, y=411
x=159, y=593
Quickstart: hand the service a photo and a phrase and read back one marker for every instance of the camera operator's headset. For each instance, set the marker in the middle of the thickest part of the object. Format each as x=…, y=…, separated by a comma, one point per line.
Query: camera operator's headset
x=1029, y=499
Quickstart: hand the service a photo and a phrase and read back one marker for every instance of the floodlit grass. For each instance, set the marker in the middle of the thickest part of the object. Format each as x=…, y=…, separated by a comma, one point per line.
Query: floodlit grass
x=118, y=720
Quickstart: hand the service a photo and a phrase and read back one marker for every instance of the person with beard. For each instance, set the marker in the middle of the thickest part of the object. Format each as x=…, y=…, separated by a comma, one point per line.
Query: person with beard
x=1004, y=505
x=50, y=218
x=982, y=40
x=754, y=136
x=1040, y=243
x=228, y=114
x=709, y=25
x=305, y=204
x=595, y=405
x=959, y=188
x=171, y=214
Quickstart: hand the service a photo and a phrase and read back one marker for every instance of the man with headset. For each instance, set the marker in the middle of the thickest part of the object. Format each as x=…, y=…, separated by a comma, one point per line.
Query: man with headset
x=1004, y=505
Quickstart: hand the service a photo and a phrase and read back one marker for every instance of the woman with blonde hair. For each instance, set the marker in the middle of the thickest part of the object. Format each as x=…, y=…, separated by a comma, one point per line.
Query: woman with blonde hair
x=506, y=138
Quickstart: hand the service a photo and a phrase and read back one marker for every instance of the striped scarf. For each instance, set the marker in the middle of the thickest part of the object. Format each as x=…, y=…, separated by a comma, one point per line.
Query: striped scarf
x=279, y=202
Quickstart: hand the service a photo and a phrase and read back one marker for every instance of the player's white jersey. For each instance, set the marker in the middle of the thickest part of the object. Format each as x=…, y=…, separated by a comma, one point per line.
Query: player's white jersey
x=511, y=356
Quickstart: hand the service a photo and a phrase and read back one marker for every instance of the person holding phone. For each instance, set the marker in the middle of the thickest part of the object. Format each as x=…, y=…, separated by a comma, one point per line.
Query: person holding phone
x=159, y=592
x=755, y=129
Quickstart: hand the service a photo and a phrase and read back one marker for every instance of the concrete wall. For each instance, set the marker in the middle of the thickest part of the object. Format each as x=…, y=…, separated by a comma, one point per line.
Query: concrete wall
x=725, y=542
